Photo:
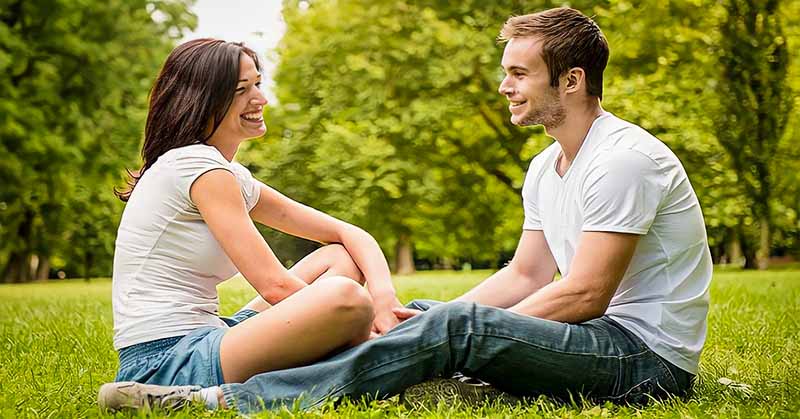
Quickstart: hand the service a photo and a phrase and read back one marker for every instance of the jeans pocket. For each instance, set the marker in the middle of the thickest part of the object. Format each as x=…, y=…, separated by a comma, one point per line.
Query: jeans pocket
x=141, y=369
x=639, y=394
x=644, y=378
x=669, y=383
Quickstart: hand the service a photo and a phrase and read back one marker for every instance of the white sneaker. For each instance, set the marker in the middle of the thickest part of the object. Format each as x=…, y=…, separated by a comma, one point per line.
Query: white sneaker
x=131, y=395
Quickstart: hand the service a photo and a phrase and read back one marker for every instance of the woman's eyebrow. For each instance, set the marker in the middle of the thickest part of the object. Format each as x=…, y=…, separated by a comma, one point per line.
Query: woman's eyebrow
x=258, y=77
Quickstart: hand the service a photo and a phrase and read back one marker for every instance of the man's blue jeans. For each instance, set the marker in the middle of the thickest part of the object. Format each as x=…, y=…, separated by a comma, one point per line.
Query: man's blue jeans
x=522, y=355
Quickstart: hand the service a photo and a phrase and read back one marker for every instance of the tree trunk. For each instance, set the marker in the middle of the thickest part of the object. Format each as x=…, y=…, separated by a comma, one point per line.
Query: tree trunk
x=734, y=250
x=43, y=270
x=88, y=263
x=18, y=268
x=12, y=269
x=764, y=244
x=749, y=252
x=404, y=258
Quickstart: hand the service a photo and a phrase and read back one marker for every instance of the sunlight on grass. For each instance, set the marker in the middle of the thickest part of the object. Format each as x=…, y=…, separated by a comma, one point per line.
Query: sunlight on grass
x=57, y=351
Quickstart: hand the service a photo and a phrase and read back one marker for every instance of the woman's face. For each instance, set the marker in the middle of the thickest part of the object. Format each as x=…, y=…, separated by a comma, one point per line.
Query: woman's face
x=245, y=117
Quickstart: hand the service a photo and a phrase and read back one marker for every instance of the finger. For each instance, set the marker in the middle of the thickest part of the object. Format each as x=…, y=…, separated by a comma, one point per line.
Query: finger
x=403, y=313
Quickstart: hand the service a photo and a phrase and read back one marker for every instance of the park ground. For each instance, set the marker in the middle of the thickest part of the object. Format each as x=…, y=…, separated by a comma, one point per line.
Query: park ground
x=56, y=352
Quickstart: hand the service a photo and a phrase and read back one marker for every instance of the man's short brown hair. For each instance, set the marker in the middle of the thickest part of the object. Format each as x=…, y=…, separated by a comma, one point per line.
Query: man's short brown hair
x=570, y=39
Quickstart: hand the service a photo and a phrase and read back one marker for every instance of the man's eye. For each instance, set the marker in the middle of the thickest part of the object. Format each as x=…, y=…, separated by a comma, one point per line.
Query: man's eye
x=258, y=84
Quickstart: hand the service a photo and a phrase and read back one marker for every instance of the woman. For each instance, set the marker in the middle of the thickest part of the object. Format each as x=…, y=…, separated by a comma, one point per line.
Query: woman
x=188, y=226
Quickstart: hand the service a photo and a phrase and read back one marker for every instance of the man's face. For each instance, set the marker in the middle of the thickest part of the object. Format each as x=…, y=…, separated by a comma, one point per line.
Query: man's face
x=527, y=85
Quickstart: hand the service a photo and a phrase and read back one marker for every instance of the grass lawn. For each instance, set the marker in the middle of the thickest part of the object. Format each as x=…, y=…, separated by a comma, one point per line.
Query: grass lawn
x=56, y=352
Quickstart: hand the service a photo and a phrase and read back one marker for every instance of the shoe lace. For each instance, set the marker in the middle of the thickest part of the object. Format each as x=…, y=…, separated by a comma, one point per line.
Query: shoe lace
x=174, y=399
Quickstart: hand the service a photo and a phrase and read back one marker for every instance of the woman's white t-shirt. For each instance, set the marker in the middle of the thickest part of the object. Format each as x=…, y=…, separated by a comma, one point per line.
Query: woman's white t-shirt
x=167, y=264
x=624, y=180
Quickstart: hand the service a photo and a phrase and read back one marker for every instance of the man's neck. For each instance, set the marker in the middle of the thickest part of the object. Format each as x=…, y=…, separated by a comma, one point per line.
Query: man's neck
x=571, y=133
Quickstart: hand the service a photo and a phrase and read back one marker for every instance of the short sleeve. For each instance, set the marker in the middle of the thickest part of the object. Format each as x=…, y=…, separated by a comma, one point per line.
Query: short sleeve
x=530, y=195
x=194, y=161
x=251, y=187
x=622, y=193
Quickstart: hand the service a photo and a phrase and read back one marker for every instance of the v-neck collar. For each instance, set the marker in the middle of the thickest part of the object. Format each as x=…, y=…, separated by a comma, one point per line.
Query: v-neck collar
x=595, y=123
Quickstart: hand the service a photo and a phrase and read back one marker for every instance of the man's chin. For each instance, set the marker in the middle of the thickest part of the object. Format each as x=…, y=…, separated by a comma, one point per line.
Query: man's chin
x=521, y=121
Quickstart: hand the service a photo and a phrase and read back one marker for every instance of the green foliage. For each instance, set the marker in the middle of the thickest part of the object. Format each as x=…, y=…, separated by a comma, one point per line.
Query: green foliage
x=388, y=116
x=57, y=352
x=74, y=77
x=754, y=57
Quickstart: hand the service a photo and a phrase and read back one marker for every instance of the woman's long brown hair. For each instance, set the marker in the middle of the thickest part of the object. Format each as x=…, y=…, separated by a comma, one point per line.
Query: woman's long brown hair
x=193, y=91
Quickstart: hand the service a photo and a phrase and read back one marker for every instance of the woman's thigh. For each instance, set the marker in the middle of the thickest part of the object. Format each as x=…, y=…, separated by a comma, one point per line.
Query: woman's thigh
x=330, y=314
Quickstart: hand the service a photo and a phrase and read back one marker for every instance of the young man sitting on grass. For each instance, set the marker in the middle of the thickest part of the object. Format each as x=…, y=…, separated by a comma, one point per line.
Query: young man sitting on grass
x=607, y=205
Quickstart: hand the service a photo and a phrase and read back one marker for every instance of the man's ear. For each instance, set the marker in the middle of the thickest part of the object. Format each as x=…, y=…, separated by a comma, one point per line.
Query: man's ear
x=574, y=80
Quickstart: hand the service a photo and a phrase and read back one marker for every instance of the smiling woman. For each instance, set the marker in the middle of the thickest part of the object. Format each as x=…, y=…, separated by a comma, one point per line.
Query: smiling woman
x=188, y=226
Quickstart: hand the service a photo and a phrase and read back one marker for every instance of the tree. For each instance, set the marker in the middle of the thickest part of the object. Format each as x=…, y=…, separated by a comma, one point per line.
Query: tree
x=396, y=102
x=755, y=59
x=74, y=78
x=384, y=119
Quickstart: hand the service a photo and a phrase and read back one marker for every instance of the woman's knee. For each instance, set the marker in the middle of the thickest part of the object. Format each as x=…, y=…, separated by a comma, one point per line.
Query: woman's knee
x=342, y=262
x=349, y=301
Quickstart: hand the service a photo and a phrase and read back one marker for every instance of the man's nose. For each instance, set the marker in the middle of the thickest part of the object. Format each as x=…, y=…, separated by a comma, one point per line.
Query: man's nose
x=504, y=89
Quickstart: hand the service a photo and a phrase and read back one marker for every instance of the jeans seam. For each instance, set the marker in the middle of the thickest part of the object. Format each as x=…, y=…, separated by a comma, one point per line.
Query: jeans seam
x=515, y=339
x=669, y=373
x=410, y=355
x=464, y=333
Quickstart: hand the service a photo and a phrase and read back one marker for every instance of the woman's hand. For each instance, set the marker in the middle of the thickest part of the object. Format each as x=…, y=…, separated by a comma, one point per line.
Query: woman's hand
x=389, y=313
x=385, y=319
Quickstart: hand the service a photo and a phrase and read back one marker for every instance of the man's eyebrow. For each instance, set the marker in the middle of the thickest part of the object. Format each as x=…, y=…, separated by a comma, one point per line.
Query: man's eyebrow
x=516, y=67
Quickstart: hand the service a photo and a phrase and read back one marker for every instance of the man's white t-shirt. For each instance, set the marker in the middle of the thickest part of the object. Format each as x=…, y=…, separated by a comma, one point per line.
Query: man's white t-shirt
x=167, y=264
x=625, y=180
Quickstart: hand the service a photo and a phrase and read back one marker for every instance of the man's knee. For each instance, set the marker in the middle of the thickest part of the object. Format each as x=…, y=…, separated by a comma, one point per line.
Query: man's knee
x=459, y=311
x=423, y=305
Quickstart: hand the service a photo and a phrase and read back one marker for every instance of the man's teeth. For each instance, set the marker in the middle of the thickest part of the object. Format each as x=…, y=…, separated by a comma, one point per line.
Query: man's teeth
x=517, y=103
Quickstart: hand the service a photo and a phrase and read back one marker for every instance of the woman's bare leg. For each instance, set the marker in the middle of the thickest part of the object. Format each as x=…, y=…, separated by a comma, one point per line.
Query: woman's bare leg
x=335, y=311
x=330, y=260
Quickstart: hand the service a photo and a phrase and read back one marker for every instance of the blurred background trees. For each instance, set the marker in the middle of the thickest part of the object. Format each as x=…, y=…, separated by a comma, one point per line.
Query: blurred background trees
x=74, y=78
x=388, y=117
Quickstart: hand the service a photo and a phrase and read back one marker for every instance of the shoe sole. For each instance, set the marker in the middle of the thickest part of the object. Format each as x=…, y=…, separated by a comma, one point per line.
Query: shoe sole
x=450, y=392
x=120, y=396
x=130, y=395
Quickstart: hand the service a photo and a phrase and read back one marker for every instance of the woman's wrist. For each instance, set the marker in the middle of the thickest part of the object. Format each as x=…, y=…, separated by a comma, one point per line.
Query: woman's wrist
x=382, y=295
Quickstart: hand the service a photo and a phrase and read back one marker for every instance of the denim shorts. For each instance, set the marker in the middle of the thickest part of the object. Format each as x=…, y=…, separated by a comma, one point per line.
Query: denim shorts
x=192, y=359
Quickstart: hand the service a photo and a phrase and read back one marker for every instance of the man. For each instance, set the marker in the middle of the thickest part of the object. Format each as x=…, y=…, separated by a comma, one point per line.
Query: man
x=607, y=205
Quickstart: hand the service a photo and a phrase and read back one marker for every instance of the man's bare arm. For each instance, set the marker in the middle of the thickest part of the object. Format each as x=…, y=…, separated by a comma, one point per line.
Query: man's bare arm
x=531, y=268
x=599, y=264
